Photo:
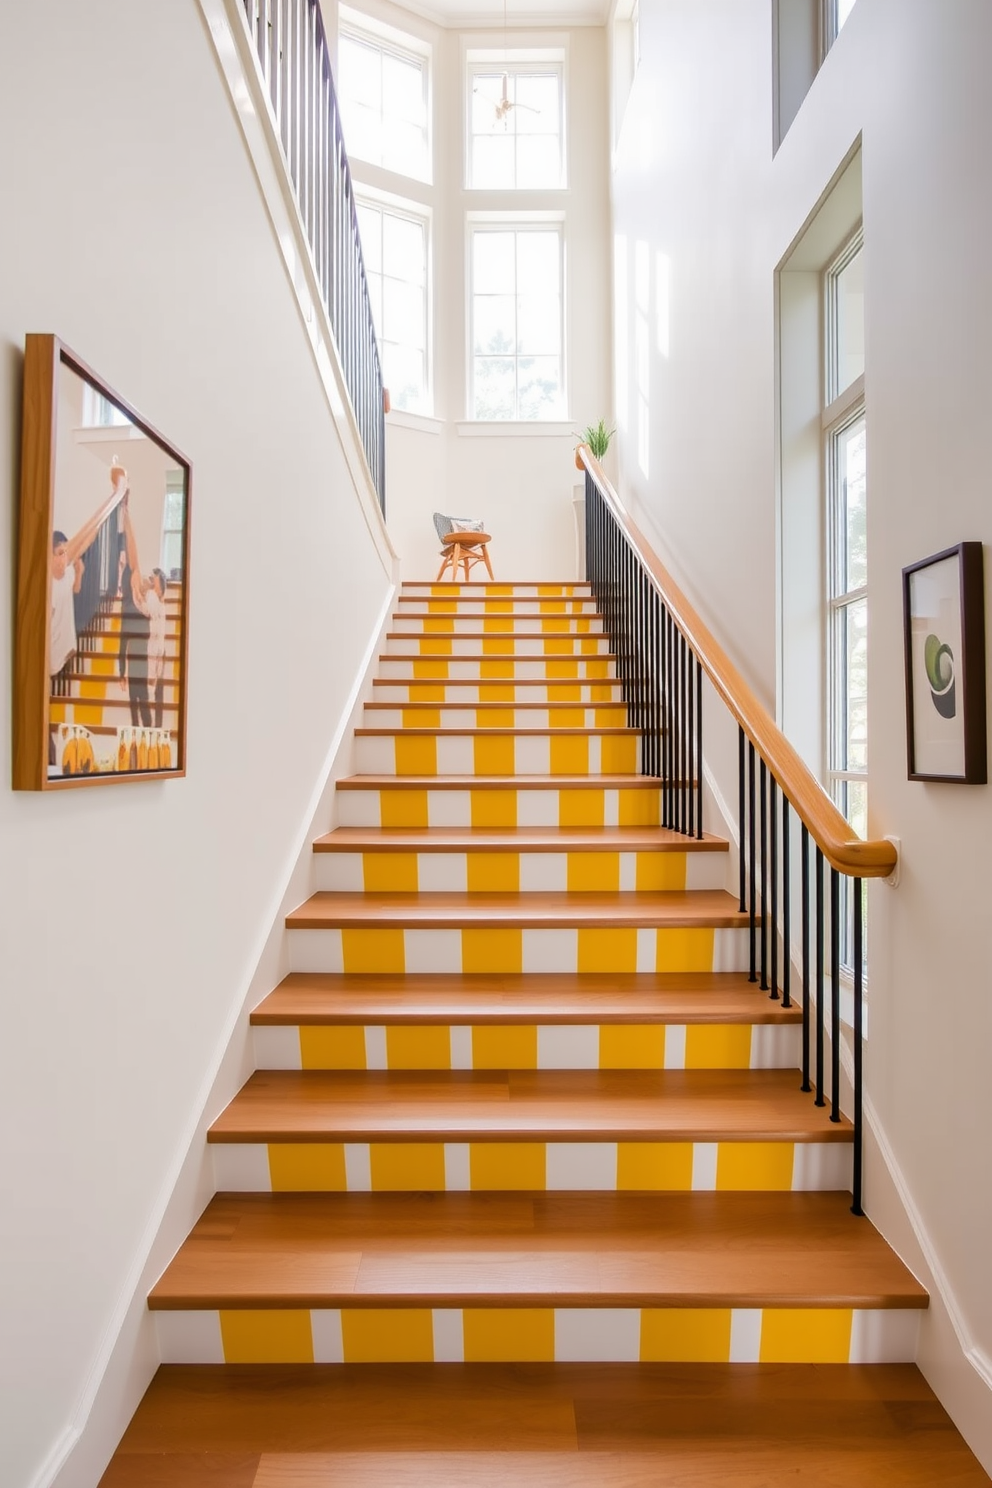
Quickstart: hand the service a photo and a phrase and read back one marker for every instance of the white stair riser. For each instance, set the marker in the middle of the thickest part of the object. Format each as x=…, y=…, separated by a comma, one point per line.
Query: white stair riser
x=436, y=1166
x=469, y=754
x=512, y=951
x=535, y=872
x=502, y=807
x=543, y=1046
x=562, y=1335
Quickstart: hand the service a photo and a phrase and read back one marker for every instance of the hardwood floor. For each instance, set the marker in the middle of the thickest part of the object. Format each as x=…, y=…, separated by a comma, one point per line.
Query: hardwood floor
x=542, y=1426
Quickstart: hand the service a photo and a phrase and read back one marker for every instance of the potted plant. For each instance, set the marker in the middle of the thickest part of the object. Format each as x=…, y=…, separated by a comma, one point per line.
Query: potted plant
x=597, y=438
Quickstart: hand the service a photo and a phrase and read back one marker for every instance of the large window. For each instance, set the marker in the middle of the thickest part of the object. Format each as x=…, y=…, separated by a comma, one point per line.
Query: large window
x=383, y=94
x=516, y=125
x=516, y=321
x=846, y=544
x=394, y=246
x=835, y=13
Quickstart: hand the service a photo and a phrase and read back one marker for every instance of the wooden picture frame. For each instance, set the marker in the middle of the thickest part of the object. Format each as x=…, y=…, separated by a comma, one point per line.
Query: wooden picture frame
x=102, y=623
x=944, y=631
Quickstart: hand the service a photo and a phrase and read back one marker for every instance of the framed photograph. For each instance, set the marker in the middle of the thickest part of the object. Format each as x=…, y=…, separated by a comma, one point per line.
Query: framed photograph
x=102, y=584
x=944, y=618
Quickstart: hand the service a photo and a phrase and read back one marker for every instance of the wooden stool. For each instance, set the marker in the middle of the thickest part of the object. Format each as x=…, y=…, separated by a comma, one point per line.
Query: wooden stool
x=466, y=548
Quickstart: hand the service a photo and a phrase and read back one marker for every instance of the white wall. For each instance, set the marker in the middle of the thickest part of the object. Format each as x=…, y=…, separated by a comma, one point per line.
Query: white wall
x=696, y=181
x=520, y=482
x=131, y=918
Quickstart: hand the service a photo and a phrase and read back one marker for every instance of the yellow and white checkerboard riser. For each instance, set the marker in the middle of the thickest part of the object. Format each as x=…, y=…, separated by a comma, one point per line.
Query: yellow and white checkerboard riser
x=576, y=604
x=460, y=872
x=538, y=667
x=400, y=951
x=523, y=622
x=828, y=1335
x=528, y=1046
x=506, y=691
x=501, y=806
x=532, y=1167
x=511, y=646
x=415, y=590
x=450, y=753
x=500, y=715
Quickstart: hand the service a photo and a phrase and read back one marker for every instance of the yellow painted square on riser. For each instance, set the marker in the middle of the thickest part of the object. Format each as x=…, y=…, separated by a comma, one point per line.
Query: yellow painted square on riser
x=581, y=808
x=341, y=1047
x=494, y=756
x=747, y=1166
x=387, y=1335
x=685, y=1335
x=496, y=951
x=618, y=754
x=569, y=754
x=407, y=1167
x=685, y=950
x=409, y=1047
x=593, y=873
x=510, y=1046
x=495, y=718
x=415, y=756
x=421, y=717
x=660, y=872
x=493, y=873
x=811, y=1335
x=632, y=1046
x=376, y=951
x=718, y=1046
x=509, y=1335
x=307, y=1167
x=435, y=646
x=638, y=808
x=507, y=1166
x=429, y=669
x=654, y=1167
x=266, y=1336
x=493, y=808
x=390, y=873
x=606, y=950
x=402, y=808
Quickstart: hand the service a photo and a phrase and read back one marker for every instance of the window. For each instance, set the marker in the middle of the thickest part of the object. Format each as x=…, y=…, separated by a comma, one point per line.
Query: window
x=173, y=522
x=394, y=246
x=835, y=13
x=515, y=126
x=383, y=98
x=516, y=322
x=99, y=412
x=846, y=547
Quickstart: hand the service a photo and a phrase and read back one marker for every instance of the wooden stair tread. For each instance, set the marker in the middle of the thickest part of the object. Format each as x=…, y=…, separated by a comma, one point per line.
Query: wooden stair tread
x=493, y=707
x=525, y=1105
x=313, y=998
x=495, y=655
x=560, y=1250
x=515, y=839
x=707, y=908
x=614, y=682
x=585, y=731
x=500, y=782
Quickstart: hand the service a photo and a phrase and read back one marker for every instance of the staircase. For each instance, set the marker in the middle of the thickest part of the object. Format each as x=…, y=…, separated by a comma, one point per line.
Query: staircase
x=518, y=1100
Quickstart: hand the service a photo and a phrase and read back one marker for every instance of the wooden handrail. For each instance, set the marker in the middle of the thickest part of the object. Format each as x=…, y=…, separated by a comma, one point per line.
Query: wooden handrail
x=842, y=848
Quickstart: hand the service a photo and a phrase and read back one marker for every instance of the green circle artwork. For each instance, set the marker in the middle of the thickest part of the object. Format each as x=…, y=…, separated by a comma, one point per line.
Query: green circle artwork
x=938, y=658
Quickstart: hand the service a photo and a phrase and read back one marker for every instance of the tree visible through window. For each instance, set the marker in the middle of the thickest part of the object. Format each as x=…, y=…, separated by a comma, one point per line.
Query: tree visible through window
x=517, y=323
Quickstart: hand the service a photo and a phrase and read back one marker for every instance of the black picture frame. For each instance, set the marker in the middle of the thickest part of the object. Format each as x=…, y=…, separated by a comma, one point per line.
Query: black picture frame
x=944, y=637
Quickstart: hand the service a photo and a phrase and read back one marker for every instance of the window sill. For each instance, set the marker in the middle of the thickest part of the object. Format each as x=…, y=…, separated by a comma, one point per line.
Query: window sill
x=422, y=422
x=513, y=429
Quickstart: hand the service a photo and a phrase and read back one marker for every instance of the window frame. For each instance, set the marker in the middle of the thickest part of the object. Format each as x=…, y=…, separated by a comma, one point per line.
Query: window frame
x=515, y=222
x=516, y=62
x=406, y=48
x=417, y=212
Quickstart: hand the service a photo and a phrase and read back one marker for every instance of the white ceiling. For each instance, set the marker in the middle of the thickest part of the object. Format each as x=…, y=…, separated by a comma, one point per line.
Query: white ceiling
x=518, y=12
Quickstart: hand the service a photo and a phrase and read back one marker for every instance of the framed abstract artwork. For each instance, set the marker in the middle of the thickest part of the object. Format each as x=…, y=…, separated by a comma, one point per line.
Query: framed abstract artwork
x=944, y=621
x=101, y=638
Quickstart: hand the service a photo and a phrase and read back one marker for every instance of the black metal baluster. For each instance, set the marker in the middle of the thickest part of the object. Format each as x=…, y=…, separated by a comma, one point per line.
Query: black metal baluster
x=753, y=976
x=834, y=995
x=820, y=1100
x=691, y=741
x=666, y=731
x=682, y=713
x=699, y=749
x=856, y=889
x=763, y=871
x=741, y=819
x=773, y=867
x=786, y=904
x=804, y=850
